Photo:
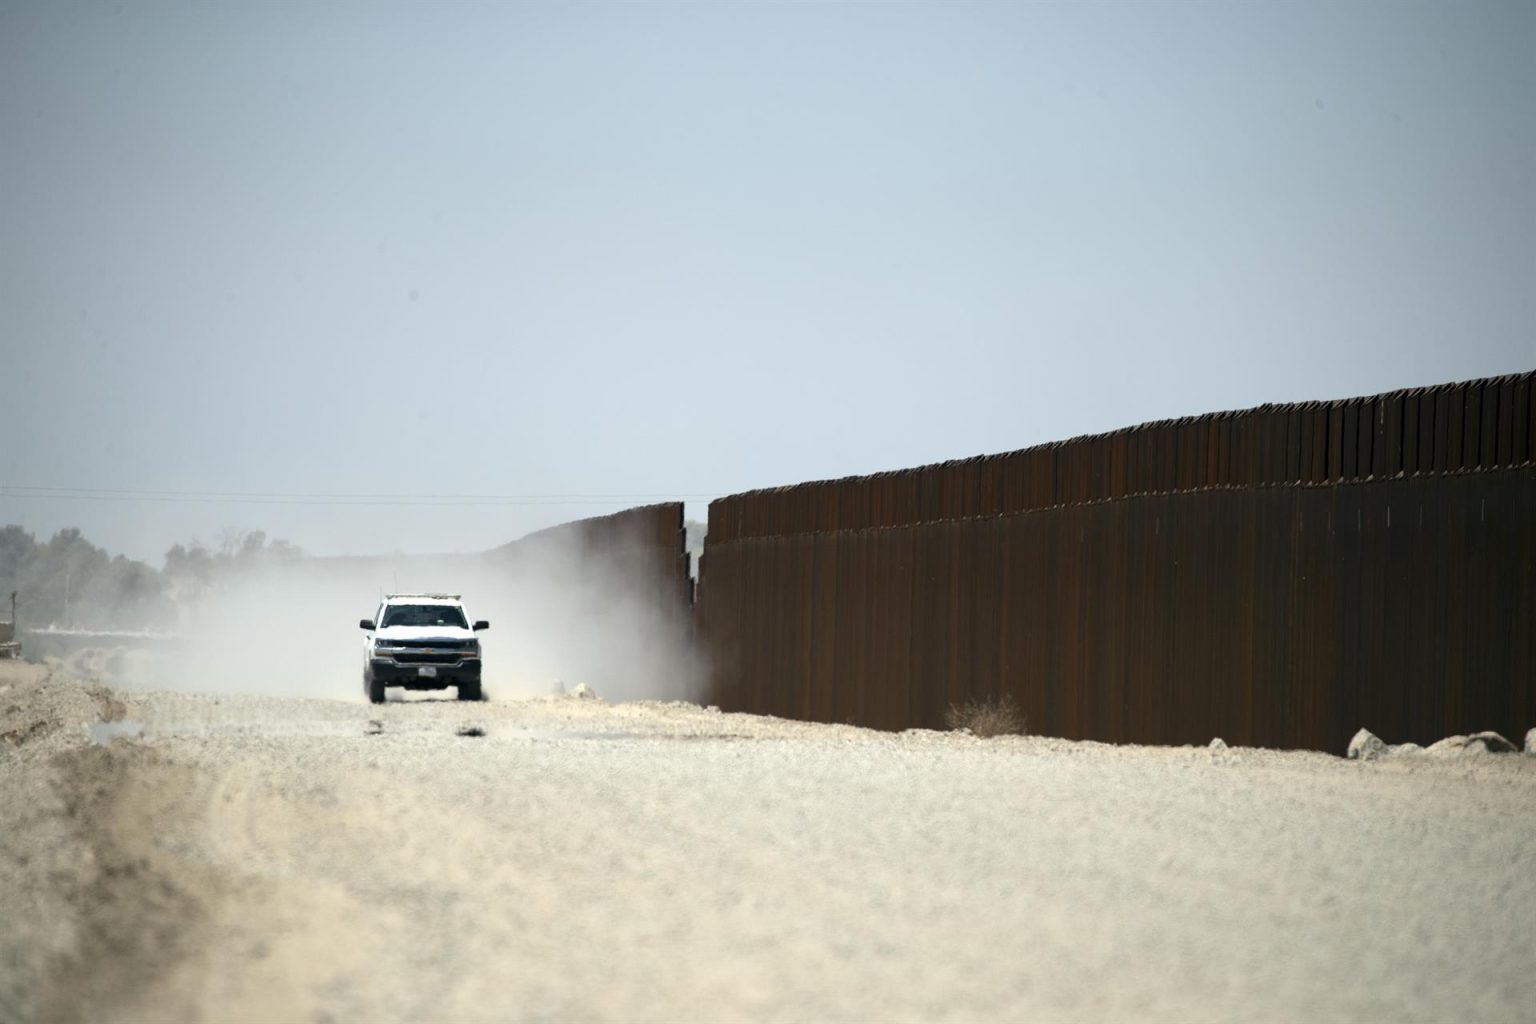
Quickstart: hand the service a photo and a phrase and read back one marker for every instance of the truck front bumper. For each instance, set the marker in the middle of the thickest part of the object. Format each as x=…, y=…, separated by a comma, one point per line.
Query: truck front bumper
x=417, y=676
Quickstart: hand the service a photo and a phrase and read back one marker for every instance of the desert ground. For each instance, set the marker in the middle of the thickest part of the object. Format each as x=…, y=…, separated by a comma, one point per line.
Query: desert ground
x=171, y=856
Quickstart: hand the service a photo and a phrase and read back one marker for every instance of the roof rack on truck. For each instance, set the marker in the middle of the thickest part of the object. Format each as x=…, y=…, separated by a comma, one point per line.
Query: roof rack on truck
x=430, y=597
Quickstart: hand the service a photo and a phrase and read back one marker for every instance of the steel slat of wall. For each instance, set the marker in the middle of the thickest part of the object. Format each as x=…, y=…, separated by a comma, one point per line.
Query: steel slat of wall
x=750, y=628
x=927, y=699
x=1523, y=440
x=1013, y=482
x=1191, y=457
x=1238, y=452
x=1118, y=482
x=1504, y=444
x=1155, y=446
x=1063, y=463
x=1181, y=455
x=824, y=628
x=903, y=543
x=1293, y=444
x=993, y=501
x=1440, y=447
x=1314, y=442
x=1263, y=440
x=1410, y=432
x=1402, y=530
x=970, y=488
x=1349, y=466
x=1229, y=449
x=877, y=694
x=1428, y=402
x=1160, y=450
x=959, y=573
x=1095, y=472
x=1021, y=668
x=1314, y=439
x=776, y=591
x=1374, y=640
x=1472, y=426
x=1488, y=441
x=984, y=606
x=1219, y=628
x=954, y=490
x=802, y=549
x=1365, y=437
x=1205, y=435
x=1525, y=399
x=1335, y=458
x=1071, y=475
x=845, y=636
x=1461, y=589
x=1136, y=460
x=875, y=493
x=1455, y=453
x=1183, y=577
x=1166, y=444
x=1522, y=609
x=1043, y=478
x=1136, y=520
x=1433, y=585
x=1108, y=696
x=809, y=513
x=1200, y=455
x=1275, y=457
x=764, y=688
x=1388, y=460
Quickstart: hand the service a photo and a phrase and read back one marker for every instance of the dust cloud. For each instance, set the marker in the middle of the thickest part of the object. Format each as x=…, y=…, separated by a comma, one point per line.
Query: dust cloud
x=561, y=614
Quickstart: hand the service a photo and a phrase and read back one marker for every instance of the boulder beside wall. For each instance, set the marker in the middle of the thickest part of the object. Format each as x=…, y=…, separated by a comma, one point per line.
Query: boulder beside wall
x=1477, y=743
x=1366, y=746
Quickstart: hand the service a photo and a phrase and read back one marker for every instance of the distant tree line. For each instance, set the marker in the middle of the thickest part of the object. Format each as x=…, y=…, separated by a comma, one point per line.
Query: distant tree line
x=69, y=582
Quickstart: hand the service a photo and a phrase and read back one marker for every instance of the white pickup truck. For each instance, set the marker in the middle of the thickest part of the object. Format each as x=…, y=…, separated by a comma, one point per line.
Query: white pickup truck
x=421, y=642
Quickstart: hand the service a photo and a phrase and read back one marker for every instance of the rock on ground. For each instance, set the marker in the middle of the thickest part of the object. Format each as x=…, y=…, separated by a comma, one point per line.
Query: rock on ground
x=1477, y=743
x=1366, y=746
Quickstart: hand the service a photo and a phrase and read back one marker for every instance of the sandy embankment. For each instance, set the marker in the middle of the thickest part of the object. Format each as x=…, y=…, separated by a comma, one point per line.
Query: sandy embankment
x=249, y=858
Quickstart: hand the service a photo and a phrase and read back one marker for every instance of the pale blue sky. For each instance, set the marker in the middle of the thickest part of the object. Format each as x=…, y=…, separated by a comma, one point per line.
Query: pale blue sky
x=693, y=249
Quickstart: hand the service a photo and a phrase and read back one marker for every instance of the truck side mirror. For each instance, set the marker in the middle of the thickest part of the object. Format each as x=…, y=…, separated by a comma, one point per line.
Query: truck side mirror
x=481, y=624
x=365, y=624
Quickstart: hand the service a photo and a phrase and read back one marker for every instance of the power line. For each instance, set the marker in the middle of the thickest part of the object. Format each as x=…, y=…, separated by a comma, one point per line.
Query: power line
x=320, y=498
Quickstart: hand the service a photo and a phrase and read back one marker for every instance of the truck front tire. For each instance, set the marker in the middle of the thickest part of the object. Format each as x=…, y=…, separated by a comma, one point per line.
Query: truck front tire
x=375, y=689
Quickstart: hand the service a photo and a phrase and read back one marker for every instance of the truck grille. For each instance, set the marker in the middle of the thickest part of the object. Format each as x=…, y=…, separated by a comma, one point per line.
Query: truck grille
x=426, y=658
x=436, y=645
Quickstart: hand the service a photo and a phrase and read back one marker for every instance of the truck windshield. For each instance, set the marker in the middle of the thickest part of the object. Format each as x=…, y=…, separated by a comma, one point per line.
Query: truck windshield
x=423, y=615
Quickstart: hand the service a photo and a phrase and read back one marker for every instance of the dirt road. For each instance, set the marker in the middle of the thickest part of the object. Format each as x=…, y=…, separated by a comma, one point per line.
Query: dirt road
x=247, y=858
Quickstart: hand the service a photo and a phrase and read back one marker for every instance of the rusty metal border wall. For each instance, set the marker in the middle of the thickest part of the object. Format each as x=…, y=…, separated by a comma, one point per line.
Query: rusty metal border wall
x=1277, y=578
x=1480, y=424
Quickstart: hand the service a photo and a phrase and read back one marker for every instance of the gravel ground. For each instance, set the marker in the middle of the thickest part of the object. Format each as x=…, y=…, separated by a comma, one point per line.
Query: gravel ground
x=246, y=858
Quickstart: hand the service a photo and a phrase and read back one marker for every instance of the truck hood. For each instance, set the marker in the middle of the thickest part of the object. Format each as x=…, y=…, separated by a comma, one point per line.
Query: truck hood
x=418, y=633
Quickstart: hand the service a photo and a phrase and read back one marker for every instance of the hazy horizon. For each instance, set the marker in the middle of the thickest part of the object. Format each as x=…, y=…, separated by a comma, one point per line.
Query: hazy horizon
x=260, y=263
